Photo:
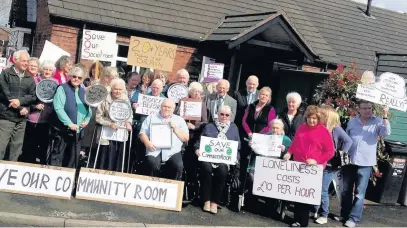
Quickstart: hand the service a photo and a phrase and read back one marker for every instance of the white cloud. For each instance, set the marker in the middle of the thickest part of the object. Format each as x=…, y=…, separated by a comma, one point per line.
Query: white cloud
x=395, y=5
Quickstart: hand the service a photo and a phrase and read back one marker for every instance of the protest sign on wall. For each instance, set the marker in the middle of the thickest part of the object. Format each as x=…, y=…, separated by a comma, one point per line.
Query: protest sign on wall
x=390, y=91
x=213, y=72
x=52, y=52
x=288, y=180
x=177, y=91
x=218, y=150
x=95, y=95
x=190, y=109
x=37, y=180
x=151, y=54
x=267, y=145
x=122, y=188
x=46, y=89
x=120, y=110
x=97, y=45
x=148, y=105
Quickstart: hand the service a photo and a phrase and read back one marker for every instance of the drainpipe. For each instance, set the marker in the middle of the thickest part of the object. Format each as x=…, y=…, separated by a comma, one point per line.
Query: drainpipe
x=369, y=5
x=79, y=46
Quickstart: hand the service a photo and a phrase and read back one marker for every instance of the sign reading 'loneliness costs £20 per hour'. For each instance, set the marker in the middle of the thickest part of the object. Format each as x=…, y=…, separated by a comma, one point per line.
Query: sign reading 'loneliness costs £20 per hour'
x=151, y=54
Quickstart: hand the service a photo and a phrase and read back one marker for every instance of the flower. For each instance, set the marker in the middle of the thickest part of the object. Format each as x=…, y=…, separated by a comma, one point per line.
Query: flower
x=341, y=83
x=339, y=68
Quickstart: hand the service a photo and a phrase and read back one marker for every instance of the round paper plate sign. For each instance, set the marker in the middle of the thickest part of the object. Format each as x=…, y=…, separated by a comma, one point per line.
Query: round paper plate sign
x=120, y=111
x=177, y=91
x=95, y=95
x=46, y=90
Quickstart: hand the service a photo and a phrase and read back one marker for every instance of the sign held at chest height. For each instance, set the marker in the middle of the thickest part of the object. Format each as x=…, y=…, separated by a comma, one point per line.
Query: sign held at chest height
x=97, y=45
x=46, y=90
x=31, y=179
x=148, y=105
x=288, y=180
x=218, y=150
x=108, y=186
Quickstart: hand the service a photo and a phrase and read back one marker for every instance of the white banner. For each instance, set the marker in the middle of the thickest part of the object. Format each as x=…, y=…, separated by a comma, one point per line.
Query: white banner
x=97, y=45
x=148, y=105
x=108, y=186
x=31, y=179
x=267, y=145
x=288, y=180
x=52, y=52
x=218, y=150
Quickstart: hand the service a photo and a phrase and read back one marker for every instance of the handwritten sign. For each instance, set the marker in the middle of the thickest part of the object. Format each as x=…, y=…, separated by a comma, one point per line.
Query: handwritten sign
x=119, y=135
x=120, y=110
x=191, y=109
x=390, y=91
x=99, y=45
x=96, y=94
x=46, y=90
x=148, y=105
x=38, y=180
x=213, y=72
x=288, y=180
x=151, y=54
x=218, y=150
x=108, y=186
x=52, y=52
x=177, y=91
x=267, y=145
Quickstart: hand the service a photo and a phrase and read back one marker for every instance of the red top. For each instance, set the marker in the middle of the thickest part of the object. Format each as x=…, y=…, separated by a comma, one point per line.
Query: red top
x=312, y=143
x=58, y=76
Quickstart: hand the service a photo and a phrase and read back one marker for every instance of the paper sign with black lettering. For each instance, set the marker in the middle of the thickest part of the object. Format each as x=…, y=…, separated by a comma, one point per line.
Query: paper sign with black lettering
x=122, y=188
x=218, y=150
x=288, y=180
x=213, y=72
x=177, y=91
x=148, y=105
x=95, y=95
x=390, y=90
x=97, y=45
x=120, y=110
x=46, y=90
x=38, y=180
x=191, y=109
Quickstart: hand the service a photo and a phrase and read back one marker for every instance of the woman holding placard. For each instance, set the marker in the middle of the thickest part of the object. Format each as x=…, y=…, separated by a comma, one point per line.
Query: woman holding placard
x=37, y=124
x=63, y=66
x=213, y=175
x=111, y=152
x=312, y=145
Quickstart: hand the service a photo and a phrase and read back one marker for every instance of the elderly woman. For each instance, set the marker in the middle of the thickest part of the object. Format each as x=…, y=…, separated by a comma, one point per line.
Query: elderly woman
x=73, y=115
x=313, y=145
x=111, y=152
x=291, y=116
x=37, y=124
x=33, y=66
x=108, y=74
x=63, y=66
x=213, y=175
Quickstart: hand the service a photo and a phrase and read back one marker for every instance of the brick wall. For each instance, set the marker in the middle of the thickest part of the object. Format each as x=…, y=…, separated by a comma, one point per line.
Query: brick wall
x=182, y=58
x=65, y=37
x=43, y=27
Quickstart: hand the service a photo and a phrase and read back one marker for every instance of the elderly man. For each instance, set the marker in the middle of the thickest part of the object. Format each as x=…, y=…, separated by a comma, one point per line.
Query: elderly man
x=170, y=156
x=220, y=98
x=183, y=77
x=17, y=93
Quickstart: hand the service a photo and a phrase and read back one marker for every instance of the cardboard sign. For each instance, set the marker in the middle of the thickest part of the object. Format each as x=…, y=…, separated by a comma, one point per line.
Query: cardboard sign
x=121, y=188
x=267, y=145
x=120, y=110
x=52, y=52
x=95, y=95
x=97, y=45
x=218, y=150
x=390, y=91
x=288, y=180
x=190, y=109
x=148, y=105
x=36, y=180
x=213, y=72
x=46, y=89
x=151, y=54
x=177, y=91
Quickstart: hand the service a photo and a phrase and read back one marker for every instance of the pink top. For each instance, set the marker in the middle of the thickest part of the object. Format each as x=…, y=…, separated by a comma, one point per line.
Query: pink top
x=61, y=79
x=271, y=116
x=36, y=116
x=312, y=143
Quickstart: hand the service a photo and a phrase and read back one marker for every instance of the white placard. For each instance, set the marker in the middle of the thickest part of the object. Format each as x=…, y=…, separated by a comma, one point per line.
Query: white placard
x=191, y=109
x=148, y=105
x=177, y=91
x=205, y=60
x=30, y=179
x=119, y=135
x=267, y=145
x=288, y=180
x=161, y=135
x=52, y=52
x=338, y=183
x=108, y=186
x=218, y=150
x=213, y=72
x=390, y=91
x=97, y=45
x=46, y=89
x=120, y=111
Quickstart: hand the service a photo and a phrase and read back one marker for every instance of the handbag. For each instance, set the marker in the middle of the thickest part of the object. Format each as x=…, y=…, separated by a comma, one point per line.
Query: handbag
x=339, y=159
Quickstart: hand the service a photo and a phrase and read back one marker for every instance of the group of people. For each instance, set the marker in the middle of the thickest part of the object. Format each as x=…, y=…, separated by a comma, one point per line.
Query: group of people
x=58, y=133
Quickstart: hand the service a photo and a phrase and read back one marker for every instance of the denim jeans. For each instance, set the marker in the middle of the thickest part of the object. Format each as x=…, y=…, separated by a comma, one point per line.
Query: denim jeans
x=326, y=181
x=352, y=207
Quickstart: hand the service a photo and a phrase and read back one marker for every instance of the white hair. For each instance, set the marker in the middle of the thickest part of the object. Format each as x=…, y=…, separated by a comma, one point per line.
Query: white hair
x=157, y=81
x=168, y=100
x=296, y=97
x=116, y=82
x=225, y=81
x=47, y=63
x=17, y=54
x=77, y=71
x=182, y=72
x=253, y=77
x=225, y=108
x=110, y=72
x=34, y=59
x=195, y=86
x=277, y=121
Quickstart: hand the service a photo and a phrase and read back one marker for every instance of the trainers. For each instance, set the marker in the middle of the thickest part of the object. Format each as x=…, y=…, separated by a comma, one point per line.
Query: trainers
x=322, y=220
x=350, y=223
x=315, y=215
x=296, y=224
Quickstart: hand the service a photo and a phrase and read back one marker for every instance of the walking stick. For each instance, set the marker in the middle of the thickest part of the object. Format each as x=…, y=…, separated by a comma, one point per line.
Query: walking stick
x=97, y=150
x=36, y=122
x=124, y=155
x=91, y=145
x=131, y=142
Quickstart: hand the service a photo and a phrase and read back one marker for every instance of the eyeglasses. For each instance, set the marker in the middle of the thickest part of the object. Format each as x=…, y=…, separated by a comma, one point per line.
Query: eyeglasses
x=223, y=114
x=77, y=77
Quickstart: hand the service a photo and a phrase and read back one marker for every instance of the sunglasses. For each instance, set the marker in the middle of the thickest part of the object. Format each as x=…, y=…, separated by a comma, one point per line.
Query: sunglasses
x=77, y=77
x=223, y=114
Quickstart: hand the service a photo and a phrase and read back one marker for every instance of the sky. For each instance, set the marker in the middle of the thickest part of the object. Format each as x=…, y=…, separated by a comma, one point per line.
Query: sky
x=395, y=5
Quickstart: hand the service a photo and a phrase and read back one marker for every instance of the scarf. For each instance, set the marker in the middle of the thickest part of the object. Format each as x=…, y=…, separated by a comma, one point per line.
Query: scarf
x=222, y=128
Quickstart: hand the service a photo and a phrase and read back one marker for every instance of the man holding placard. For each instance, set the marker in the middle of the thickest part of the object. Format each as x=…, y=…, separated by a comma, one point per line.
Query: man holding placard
x=163, y=135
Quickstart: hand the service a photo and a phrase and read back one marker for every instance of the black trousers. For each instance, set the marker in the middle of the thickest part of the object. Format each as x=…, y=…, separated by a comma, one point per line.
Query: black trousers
x=111, y=157
x=301, y=213
x=173, y=167
x=212, y=186
x=65, y=148
x=36, y=141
